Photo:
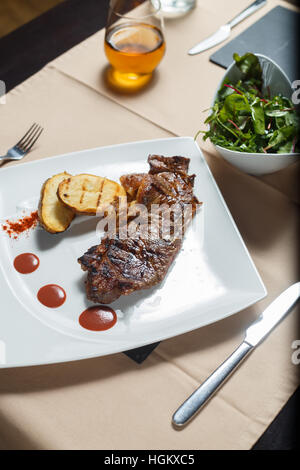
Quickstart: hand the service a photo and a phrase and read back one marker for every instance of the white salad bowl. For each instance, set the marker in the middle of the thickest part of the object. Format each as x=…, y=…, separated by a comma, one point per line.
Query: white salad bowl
x=277, y=82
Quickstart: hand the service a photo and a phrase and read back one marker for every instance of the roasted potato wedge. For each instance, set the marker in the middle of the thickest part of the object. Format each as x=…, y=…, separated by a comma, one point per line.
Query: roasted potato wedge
x=89, y=194
x=54, y=216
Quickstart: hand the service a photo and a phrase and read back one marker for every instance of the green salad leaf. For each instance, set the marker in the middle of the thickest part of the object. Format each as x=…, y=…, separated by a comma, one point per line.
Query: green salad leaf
x=245, y=119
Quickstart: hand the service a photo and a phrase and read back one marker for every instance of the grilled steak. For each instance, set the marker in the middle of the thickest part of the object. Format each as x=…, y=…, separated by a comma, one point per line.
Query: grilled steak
x=166, y=188
x=131, y=183
x=121, y=266
x=160, y=164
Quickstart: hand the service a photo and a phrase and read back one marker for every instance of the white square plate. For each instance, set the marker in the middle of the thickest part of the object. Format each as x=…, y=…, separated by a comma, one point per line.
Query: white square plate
x=212, y=277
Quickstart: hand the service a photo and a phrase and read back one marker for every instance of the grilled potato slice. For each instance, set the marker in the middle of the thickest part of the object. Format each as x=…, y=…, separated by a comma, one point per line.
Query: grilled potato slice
x=54, y=216
x=87, y=194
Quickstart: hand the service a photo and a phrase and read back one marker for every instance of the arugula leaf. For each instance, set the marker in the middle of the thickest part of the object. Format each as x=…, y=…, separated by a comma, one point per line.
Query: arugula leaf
x=258, y=117
x=281, y=135
x=249, y=66
x=234, y=104
x=286, y=148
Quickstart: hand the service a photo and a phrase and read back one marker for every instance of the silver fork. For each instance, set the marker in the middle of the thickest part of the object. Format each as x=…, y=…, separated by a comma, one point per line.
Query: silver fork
x=25, y=144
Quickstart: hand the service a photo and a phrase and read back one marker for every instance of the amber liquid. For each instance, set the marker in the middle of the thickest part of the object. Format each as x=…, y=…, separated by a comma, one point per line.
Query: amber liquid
x=134, y=51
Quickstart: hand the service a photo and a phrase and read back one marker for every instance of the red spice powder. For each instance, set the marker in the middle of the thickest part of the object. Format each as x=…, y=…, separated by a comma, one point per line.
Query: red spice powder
x=24, y=224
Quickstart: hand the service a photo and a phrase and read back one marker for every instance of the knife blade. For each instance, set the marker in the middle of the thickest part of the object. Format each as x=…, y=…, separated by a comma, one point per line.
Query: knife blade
x=272, y=315
x=224, y=31
x=255, y=333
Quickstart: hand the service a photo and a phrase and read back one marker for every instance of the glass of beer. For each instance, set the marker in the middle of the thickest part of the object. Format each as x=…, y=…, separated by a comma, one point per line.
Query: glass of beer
x=134, y=42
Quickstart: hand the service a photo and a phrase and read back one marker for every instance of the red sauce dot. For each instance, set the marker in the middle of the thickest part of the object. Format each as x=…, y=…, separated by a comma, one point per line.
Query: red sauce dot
x=98, y=318
x=26, y=263
x=52, y=296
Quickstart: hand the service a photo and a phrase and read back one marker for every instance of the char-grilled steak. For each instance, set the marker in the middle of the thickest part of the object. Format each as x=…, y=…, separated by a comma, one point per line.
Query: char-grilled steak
x=131, y=183
x=160, y=164
x=121, y=266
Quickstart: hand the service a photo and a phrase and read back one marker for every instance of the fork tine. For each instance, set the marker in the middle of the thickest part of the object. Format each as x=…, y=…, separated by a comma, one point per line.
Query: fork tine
x=28, y=139
x=30, y=136
x=26, y=135
x=33, y=140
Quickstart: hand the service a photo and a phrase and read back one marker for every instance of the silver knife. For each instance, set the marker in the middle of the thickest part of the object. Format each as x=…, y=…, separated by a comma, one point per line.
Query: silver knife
x=224, y=31
x=256, y=332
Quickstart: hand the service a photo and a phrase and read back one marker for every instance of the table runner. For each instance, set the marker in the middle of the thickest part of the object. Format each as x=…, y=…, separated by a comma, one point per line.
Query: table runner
x=111, y=402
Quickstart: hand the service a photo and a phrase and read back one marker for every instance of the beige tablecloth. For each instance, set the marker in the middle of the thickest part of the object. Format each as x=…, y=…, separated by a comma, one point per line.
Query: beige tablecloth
x=111, y=402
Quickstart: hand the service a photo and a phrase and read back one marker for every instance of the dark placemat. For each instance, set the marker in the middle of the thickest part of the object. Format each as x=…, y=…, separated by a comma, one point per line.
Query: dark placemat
x=29, y=48
x=283, y=432
x=140, y=354
x=275, y=35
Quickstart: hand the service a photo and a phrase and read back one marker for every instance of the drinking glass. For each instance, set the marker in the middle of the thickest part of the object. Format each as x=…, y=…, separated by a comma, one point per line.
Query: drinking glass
x=134, y=42
x=176, y=7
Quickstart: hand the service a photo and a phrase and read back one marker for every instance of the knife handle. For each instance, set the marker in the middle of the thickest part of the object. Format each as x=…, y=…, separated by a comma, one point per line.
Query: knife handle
x=195, y=402
x=247, y=12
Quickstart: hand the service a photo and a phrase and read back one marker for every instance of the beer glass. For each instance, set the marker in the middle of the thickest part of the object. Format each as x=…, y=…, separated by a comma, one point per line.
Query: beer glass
x=134, y=42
